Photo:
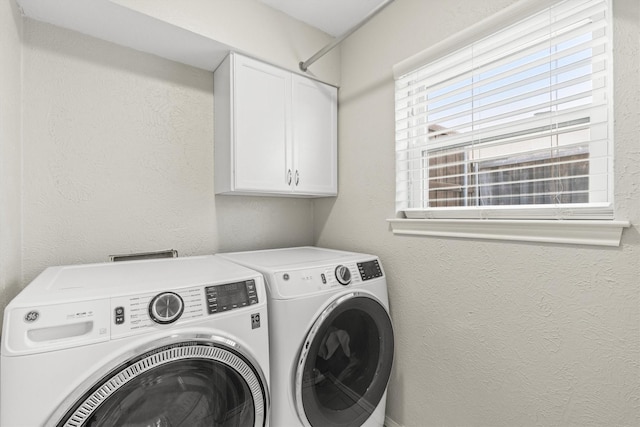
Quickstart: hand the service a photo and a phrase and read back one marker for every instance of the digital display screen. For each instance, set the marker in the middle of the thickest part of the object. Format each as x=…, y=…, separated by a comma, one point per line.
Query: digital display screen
x=369, y=270
x=231, y=295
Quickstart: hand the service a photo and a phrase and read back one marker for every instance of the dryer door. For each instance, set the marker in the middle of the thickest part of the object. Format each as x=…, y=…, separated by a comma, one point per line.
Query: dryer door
x=186, y=383
x=345, y=363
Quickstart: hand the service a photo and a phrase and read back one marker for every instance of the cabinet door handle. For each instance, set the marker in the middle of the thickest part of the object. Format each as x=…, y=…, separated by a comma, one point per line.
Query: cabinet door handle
x=289, y=177
x=297, y=177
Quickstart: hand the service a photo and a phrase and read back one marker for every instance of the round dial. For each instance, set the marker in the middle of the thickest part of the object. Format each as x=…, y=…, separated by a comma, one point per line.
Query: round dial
x=166, y=307
x=343, y=274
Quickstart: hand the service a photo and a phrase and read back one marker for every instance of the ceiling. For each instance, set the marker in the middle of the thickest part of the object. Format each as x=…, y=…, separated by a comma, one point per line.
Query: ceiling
x=334, y=17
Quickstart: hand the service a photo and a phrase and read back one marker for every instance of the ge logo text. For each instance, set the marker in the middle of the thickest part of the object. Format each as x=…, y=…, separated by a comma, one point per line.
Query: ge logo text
x=31, y=316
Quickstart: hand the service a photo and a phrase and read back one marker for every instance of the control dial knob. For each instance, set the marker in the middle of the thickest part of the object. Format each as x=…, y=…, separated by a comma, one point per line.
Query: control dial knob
x=343, y=274
x=166, y=307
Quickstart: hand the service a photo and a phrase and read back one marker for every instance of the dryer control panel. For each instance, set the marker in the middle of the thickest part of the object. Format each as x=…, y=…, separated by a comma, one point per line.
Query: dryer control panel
x=307, y=281
x=369, y=269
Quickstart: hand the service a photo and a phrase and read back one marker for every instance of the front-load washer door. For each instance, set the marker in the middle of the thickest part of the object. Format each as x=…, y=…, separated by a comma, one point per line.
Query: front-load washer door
x=189, y=383
x=345, y=363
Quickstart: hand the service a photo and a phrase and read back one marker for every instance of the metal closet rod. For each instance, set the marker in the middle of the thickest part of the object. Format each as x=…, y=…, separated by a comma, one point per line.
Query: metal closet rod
x=304, y=66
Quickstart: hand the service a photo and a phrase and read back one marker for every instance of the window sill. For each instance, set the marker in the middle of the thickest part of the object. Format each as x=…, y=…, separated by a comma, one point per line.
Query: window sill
x=577, y=232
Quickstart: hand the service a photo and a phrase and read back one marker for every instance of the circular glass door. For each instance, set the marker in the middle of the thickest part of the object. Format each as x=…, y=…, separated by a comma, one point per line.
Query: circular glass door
x=192, y=383
x=345, y=363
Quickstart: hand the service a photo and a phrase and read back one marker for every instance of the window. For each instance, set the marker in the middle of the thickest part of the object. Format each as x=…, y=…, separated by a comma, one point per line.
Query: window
x=513, y=124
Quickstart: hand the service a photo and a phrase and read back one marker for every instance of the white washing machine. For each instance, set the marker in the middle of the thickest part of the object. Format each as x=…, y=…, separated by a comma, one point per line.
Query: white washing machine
x=332, y=342
x=167, y=342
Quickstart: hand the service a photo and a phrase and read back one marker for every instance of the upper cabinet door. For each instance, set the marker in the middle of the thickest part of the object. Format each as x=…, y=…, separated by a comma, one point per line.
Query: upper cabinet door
x=262, y=111
x=275, y=132
x=314, y=114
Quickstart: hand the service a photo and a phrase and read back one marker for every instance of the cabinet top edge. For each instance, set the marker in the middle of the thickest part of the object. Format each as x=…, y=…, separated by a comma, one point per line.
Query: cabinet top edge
x=233, y=53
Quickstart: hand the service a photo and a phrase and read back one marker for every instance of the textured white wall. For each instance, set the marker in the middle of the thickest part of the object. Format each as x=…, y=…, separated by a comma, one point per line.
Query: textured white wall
x=251, y=27
x=10, y=157
x=118, y=153
x=490, y=333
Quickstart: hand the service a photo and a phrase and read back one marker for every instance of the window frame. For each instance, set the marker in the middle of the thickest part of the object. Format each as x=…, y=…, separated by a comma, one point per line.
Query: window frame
x=538, y=223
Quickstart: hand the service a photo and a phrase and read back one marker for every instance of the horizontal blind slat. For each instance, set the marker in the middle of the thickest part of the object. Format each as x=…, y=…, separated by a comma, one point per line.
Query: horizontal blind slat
x=447, y=68
x=440, y=136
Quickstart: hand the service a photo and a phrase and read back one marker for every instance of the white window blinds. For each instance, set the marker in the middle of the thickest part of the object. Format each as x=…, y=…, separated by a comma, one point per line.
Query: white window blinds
x=514, y=125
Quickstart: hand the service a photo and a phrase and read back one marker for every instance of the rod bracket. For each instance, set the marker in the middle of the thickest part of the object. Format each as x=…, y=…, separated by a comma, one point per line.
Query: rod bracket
x=304, y=66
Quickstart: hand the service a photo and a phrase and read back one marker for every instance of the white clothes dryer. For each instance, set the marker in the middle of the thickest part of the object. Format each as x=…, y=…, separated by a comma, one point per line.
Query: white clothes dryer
x=165, y=342
x=332, y=342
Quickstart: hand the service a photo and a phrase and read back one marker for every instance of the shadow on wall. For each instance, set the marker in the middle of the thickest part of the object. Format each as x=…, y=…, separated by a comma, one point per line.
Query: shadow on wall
x=345, y=97
x=631, y=237
x=10, y=153
x=366, y=166
x=108, y=55
x=253, y=223
x=321, y=211
x=397, y=398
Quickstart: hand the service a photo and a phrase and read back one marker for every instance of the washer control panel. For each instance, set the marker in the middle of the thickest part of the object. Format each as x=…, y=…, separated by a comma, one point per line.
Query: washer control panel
x=136, y=313
x=232, y=295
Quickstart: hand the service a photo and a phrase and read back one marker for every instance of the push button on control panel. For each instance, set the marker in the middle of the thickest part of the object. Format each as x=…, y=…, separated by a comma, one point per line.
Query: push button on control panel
x=119, y=315
x=251, y=292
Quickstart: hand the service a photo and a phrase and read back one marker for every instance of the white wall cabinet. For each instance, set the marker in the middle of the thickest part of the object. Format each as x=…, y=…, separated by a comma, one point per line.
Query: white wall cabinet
x=275, y=131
